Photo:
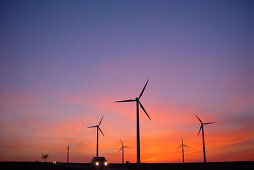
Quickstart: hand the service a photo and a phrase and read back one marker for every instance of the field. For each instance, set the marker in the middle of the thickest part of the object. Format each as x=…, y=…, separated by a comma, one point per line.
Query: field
x=145, y=166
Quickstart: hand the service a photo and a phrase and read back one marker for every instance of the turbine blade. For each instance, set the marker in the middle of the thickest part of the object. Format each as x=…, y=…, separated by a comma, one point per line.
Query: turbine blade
x=121, y=149
x=143, y=89
x=121, y=142
x=131, y=100
x=144, y=110
x=199, y=119
x=199, y=130
x=186, y=146
x=126, y=147
x=209, y=123
x=101, y=131
x=101, y=120
x=92, y=126
x=178, y=146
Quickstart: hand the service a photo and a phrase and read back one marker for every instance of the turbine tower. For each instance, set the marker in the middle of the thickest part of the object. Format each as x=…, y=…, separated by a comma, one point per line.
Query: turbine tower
x=182, y=145
x=203, y=135
x=122, y=148
x=68, y=148
x=138, y=103
x=98, y=128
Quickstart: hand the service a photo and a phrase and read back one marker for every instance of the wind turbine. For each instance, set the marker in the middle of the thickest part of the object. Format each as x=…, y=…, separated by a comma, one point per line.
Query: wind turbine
x=137, y=100
x=45, y=156
x=122, y=148
x=68, y=148
x=203, y=135
x=98, y=128
x=182, y=145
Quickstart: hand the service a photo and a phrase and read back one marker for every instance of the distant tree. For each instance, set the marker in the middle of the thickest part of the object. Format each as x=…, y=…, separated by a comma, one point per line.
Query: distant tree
x=44, y=156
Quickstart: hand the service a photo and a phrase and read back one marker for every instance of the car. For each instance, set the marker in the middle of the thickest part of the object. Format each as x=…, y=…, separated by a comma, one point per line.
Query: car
x=99, y=163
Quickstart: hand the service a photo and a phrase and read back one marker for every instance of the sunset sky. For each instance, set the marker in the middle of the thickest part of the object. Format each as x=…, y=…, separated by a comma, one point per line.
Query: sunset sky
x=63, y=64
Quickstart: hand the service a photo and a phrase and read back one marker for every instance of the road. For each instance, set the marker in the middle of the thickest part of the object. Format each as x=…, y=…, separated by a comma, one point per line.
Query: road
x=145, y=166
x=83, y=166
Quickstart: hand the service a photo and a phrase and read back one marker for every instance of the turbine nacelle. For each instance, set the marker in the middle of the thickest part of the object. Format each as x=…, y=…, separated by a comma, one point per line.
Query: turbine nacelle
x=68, y=144
x=182, y=145
x=123, y=146
x=98, y=126
x=137, y=100
x=202, y=124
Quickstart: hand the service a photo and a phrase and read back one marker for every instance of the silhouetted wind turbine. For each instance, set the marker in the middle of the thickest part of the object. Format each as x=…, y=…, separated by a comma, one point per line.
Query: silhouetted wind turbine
x=138, y=104
x=98, y=128
x=45, y=156
x=122, y=148
x=182, y=145
x=68, y=148
x=203, y=135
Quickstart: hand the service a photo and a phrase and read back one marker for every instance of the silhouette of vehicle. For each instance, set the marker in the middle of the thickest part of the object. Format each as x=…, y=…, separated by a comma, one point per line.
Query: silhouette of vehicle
x=99, y=163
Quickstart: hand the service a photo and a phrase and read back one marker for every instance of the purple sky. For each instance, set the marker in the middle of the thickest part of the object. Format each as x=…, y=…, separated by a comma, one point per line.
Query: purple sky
x=64, y=61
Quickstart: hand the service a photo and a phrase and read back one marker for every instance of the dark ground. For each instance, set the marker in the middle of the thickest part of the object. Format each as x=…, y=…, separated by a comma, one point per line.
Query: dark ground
x=145, y=166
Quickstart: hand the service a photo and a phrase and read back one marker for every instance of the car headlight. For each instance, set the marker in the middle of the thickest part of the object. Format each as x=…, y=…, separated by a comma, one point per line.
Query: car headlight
x=97, y=163
x=105, y=163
